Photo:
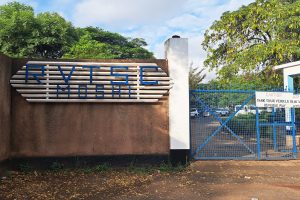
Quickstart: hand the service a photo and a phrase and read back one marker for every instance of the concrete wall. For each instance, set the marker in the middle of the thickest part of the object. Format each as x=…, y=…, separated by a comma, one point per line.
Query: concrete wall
x=176, y=50
x=5, y=74
x=68, y=129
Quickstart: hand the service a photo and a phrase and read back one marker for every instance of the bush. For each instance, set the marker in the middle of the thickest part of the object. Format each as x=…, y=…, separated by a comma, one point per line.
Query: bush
x=265, y=117
x=246, y=125
x=25, y=167
x=55, y=166
x=168, y=167
x=102, y=167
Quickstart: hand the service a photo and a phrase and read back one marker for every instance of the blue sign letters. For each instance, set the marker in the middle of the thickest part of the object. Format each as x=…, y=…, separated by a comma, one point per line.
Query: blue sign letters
x=36, y=76
x=119, y=84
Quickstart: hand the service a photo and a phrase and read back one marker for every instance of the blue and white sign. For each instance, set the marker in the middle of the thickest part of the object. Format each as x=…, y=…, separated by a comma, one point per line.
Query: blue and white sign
x=277, y=99
x=45, y=81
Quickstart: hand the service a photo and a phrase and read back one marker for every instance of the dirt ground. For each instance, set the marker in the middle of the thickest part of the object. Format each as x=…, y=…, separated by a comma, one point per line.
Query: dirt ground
x=232, y=180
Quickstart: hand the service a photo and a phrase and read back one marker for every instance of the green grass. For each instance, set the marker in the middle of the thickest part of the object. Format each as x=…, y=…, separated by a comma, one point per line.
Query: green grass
x=6, y=174
x=168, y=167
x=106, y=167
x=102, y=167
x=163, y=167
x=56, y=166
x=25, y=167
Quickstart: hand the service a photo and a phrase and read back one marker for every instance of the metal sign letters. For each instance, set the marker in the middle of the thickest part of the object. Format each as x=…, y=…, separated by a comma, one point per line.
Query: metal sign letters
x=45, y=81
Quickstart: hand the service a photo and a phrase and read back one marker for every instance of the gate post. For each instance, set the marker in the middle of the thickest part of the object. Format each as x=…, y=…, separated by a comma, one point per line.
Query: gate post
x=176, y=53
x=294, y=132
x=257, y=133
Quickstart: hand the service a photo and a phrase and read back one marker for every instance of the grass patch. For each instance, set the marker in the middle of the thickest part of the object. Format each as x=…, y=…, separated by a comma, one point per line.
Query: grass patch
x=133, y=167
x=104, y=167
x=56, y=166
x=25, y=167
x=163, y=167
x=6, y=174
x=168, y=167
x=141, y=170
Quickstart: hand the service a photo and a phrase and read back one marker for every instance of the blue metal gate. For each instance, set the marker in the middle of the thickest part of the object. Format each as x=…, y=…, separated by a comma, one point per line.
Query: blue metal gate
x=226, y=124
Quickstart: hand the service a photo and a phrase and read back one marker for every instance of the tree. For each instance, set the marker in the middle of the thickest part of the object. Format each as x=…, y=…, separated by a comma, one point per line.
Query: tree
x=97, y=43
x=250, y=41
x=17, y=23
x=48, y=35
x=54, y=35
x=195, y=77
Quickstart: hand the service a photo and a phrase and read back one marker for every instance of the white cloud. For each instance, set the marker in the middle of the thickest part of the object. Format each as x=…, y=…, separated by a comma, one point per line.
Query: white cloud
x=159, y=49
x=125, y=13
x=186, y=22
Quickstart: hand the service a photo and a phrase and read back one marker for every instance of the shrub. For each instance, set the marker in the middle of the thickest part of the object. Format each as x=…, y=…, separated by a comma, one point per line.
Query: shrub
x=25, y=167
x=55, y=166
x=246, y=125
x=103, y=167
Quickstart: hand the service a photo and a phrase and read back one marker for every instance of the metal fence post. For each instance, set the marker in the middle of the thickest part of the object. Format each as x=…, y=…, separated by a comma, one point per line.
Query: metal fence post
x=274, y=130
x=294, y=132
x=257, y=133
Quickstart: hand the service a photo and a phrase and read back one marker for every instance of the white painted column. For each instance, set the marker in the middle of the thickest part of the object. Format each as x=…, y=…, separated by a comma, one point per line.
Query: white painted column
x=288, y=82
x=288, y=79
x=176, y=52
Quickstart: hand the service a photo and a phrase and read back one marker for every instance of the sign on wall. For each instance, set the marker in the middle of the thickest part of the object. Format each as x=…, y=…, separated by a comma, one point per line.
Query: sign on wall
x=277, y=99
x=45, y=81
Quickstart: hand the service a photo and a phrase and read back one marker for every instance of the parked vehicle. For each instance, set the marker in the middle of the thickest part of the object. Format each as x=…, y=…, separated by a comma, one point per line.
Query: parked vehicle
x=194, y=112
x=222, y=112
x=206, y=113
x=246, y=109
x=243, y=111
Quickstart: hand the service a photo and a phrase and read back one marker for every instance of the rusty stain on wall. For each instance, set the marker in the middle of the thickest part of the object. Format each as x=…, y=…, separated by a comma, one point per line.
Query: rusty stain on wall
x=5, y=90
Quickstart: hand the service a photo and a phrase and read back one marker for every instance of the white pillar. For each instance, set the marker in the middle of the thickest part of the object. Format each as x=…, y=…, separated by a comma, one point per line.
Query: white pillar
x=176, y=52
x=288, y=79
x=288, y=82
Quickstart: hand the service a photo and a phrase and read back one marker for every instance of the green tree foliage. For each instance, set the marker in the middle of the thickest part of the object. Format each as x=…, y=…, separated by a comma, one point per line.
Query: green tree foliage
x=195, y=77
x=48, y=35
x=245, y=44
x=53, y=36
x=17, y=23
x=97, y=43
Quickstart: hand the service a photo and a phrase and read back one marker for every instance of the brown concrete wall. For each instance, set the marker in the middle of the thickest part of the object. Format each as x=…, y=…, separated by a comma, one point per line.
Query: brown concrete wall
x=68, y=129
x=5, y=74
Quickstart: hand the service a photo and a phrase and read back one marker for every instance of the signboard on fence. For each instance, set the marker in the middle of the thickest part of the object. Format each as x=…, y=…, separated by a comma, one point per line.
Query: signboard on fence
x=45, y=81
x=277, y=99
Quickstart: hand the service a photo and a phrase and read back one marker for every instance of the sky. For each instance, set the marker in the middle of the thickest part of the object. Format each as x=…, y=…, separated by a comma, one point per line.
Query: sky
x=153, y=20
